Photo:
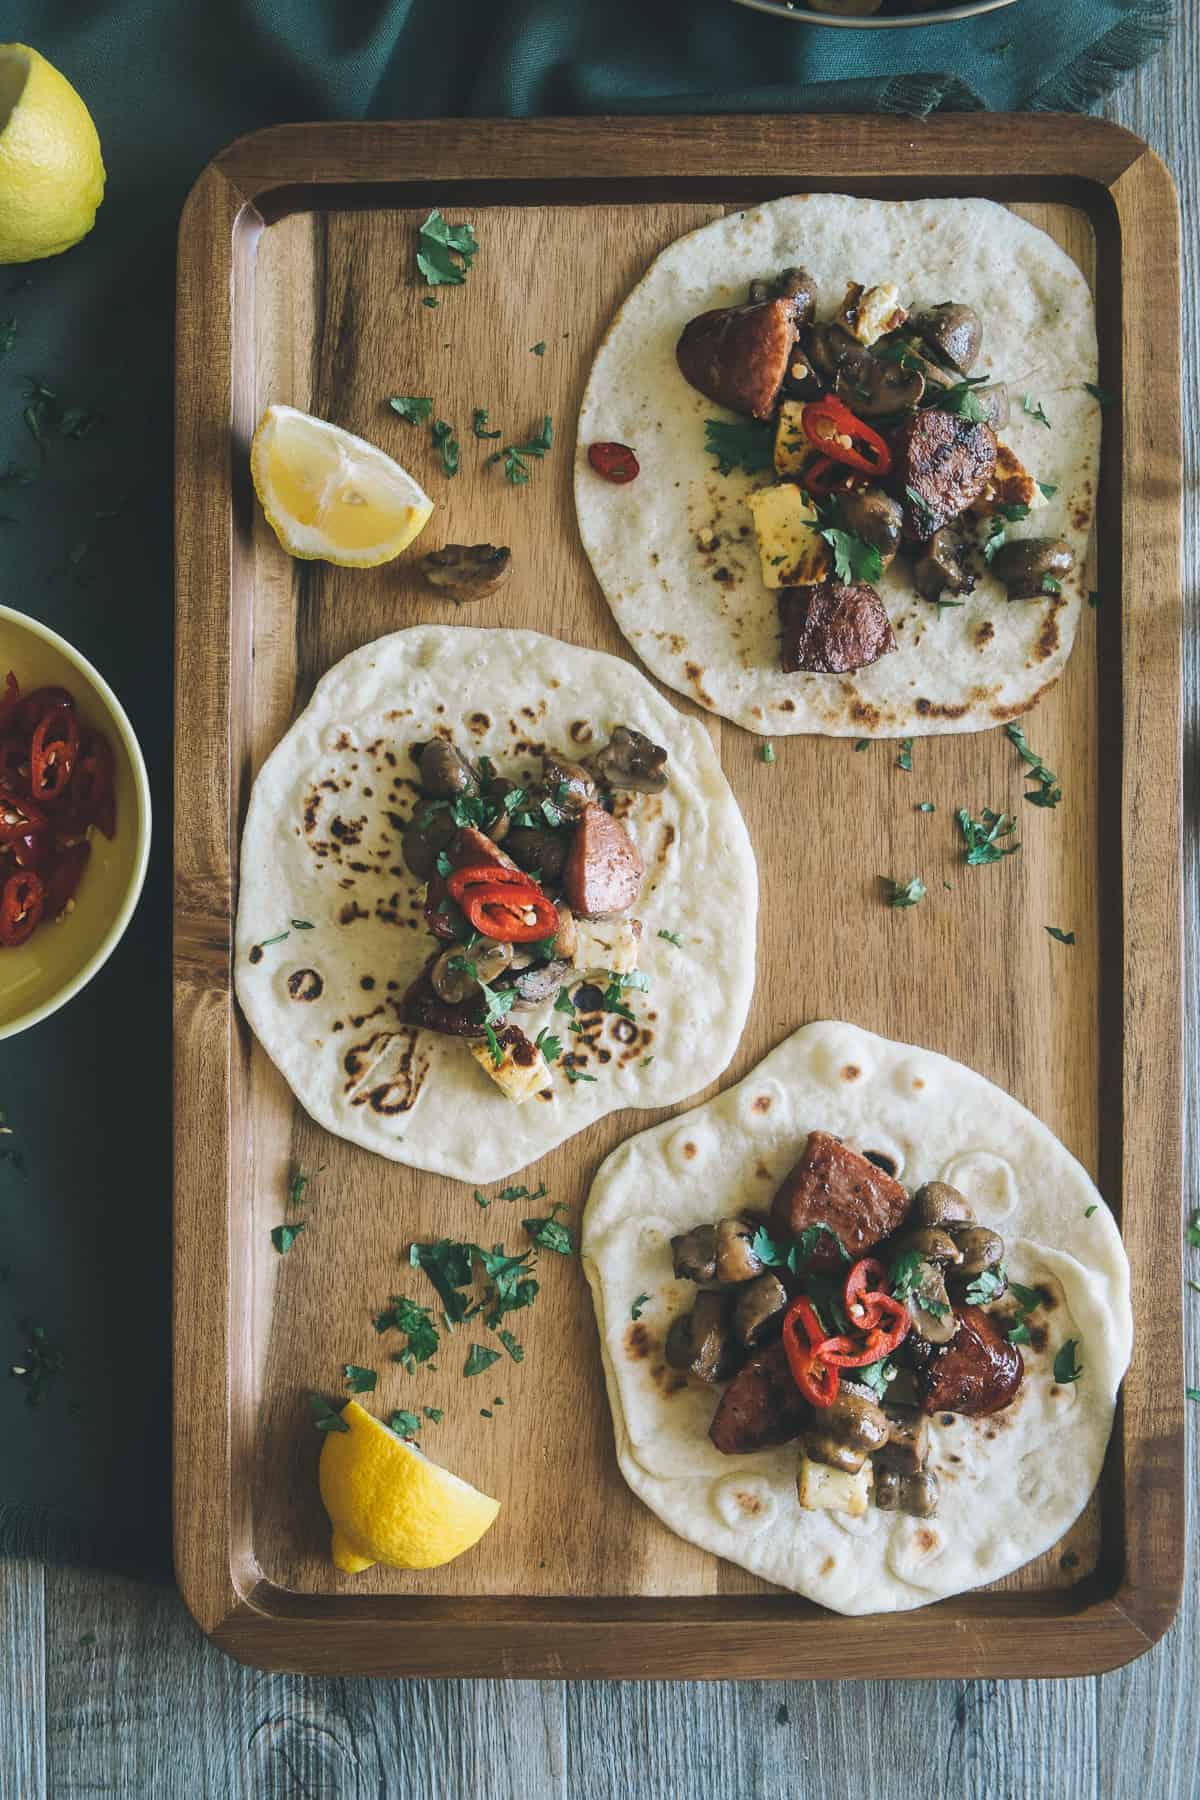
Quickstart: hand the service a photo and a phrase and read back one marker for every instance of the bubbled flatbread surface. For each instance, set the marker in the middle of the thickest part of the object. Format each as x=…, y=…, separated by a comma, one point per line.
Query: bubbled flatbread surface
x=696, y=611
x=322, y=845
x=1012, y=1484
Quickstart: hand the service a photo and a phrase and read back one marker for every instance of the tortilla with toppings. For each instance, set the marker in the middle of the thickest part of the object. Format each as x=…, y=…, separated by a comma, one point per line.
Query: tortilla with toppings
x=863, y=1321
x=448, y=1004
x=911, y=559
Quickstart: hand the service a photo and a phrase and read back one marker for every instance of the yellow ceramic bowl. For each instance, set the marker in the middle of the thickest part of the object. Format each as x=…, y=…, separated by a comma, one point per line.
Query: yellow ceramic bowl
x=61, y=957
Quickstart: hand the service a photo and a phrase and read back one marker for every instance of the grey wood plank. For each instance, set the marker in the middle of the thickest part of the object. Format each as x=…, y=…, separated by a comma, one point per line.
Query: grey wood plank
x=22, y=1682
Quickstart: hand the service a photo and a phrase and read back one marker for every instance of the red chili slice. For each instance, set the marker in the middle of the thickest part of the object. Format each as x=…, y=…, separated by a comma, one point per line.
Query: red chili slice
x=21, y=905
x=37, y=704
x=828, y=420
x=9, y=701
x=881, y=1340
x=14, y=764
x=866, y=1273
x=616, y=462
x=92, y=798
x=65, y=876
x=503, y=913
x=817, y=1381
x=52, y=754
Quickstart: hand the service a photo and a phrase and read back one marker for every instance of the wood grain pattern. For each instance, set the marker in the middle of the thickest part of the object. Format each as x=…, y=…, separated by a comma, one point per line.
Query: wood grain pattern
x=319, y=318
x=22, y=1679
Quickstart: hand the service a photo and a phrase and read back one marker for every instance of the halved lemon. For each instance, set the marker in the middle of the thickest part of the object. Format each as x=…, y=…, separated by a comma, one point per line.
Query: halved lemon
x=331, y=496
x=51, y=169
x=388, y=1503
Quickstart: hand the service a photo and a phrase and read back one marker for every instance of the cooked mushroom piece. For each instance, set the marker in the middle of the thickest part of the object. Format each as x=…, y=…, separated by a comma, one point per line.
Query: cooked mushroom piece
x=939, y=569
x=907, y=1445
x=874, y=517
x=566, y=940
x=937, y=1203
x=630, y=760
x=420, y=843
x=542, y=983
x=568, y=784
x=916, y=1494
x=759, y=1304
x=981, y=1249
x=797, y=284
x=847, y=1432
x=701, y=1341
x=737, y=1259
x=537, y=848
x=932, y=1244
x=444, y=773
x=694, y=1254
x=870, y=385
x=1031, y=567
x=954, y=331
x=454, y=983
x=929, y=1305
x=467, y=571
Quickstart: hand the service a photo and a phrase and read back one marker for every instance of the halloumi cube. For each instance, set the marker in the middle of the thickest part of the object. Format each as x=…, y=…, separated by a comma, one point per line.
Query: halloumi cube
x=793, y=449
x=868, y=313
x=610, y=944
x=1011, y=484
x=823, y=1489
x=522, y=1069
x=790, y=546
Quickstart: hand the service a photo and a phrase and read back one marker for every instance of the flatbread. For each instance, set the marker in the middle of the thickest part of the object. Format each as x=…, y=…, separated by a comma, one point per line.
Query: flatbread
x=322, y=846
x=1012, y=1484
x=696, y=610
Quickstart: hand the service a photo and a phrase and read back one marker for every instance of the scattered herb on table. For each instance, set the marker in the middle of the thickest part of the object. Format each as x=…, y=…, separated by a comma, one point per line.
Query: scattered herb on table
x=445, y=252
x=446, y=445
x=284, y=1236
x=479, y=421
x=416, y=1324
x=1034, y=410
x=926, y=806
x=511, y=1345
x=767, y=753
x=359, y=1380
x=430, y=300
x=639, y=1306
x=746, y=445
x=413, y=409
x=523, y=1193
x=1048, y=792
x=1063, y=937
x=41, y=1361
x=404, y=1424
x=326, y=1417
x=479, y=1359
x=863, y=744
x=901, y=894
x=516, y=469
x=548, y=1233
x=1067, y=1366
x=481, y=1201
x=981, y=836
x=904, y=760
x=538, y=349
x=434, y=1414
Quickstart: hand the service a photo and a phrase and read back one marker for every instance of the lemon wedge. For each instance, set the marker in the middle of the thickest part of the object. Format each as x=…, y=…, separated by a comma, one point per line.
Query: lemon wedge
x=389, y=1504
x=51, y=170
x=330, y=495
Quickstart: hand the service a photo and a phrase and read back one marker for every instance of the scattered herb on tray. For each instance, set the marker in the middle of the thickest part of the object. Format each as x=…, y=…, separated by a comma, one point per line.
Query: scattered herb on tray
x=445, y=252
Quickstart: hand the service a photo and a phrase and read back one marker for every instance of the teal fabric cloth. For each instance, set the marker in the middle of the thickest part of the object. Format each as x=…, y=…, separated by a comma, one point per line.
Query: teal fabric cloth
x=85, y=1177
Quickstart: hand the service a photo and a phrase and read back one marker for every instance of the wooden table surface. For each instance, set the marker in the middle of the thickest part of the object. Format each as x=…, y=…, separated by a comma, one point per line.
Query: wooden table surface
x=106, y=1686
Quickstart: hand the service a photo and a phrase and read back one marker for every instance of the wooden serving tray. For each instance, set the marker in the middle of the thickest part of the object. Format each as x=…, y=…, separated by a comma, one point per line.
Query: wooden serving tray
x=297, y=284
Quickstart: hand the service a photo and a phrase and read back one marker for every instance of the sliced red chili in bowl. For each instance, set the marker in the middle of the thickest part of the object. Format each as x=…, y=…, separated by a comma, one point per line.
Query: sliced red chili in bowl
x=52, y=754
x=93, y=797
x=22, y=902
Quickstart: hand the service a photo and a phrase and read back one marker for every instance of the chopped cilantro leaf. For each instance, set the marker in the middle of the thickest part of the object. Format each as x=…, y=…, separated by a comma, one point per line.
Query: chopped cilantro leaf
x=433, y=1413
x=1063, y=937
x=1020, y=1334
x=986, y=1286
x=538, y=349
x=962, y=399
x=549, y=1234
x=1034, y=410
x=445, y=252
x=639, y=1306
x=277, y=939
x=412, y=408
x=877, y=1376
x=574, y=1075
x=744, y=445
x=479, y=1359
x=1192, y=1393
x=1027, y=1298
x=863, y=744
x=1089, y=1210
x=479, y=421
x=326, y=1417
x=1067, y=1366
x=549, y=1045
x=480, y=1201
x=672, y=937
x=511, y=1345
x=1048, y=489
x=981, y=837
x=416, y=1322
x=1051, y=584
x=446, y=445
x=359, y=1380
x=430, y=300
x=448, y=1266
x=299, y=1184
x=908, y=893
x=926, y=806
x=523, y=1193
x=853, y=558
x=284, y=1236
x=404, y=1424
x=904, y=760
x=1048, y=793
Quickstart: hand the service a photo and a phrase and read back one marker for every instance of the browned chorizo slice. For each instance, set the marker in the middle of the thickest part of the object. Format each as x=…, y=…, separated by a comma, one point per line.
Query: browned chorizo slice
x=761, y=1407
x=738, y=355
x=946, y=462
x=835, y=1186
x=977, y=1372
x=831, y=629
x=604, y=871
x=422, y=1005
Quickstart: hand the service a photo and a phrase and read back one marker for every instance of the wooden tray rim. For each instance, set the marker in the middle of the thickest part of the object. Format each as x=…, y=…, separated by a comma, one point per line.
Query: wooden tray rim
x=1130, y=196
